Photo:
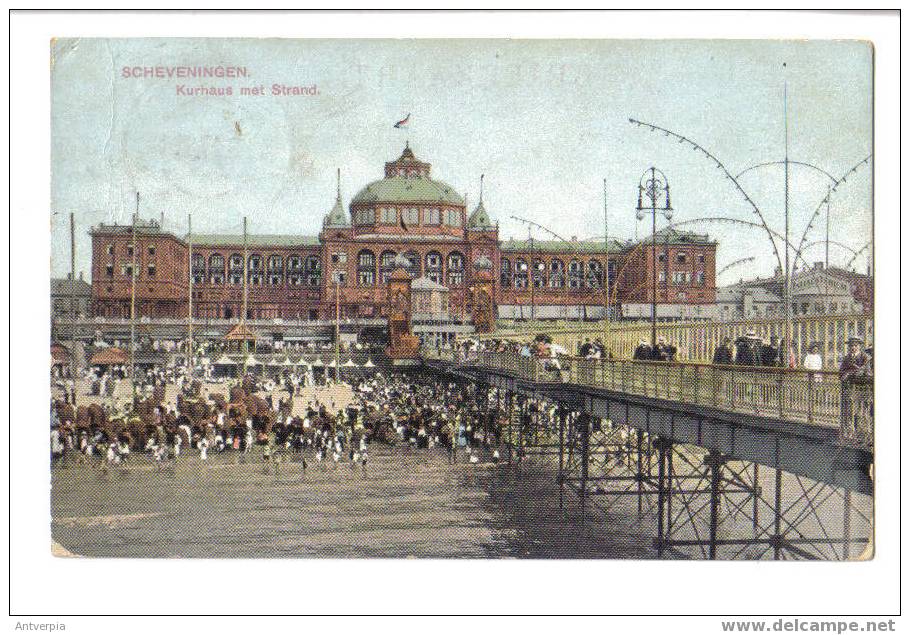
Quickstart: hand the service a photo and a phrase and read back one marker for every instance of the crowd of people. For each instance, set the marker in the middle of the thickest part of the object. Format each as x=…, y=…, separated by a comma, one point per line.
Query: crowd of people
x=257, y=416
x=747, y=350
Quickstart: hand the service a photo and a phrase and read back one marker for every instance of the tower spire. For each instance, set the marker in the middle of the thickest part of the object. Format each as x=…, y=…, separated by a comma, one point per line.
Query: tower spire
x=481, y=188
x=338, y=184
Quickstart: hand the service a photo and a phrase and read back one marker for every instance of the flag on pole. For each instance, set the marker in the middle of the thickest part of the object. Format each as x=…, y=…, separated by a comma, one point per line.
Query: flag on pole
x=403, y=122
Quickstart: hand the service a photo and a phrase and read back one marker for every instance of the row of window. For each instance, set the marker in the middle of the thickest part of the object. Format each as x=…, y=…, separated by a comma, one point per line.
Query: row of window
x=127, y=269
x=309, y=279
x=681, y=258
x=580, y=275
x=431, y=266
x=129, y=250
x=410, y=216
x=408, y=172
x=683, y=277
x=274, y=263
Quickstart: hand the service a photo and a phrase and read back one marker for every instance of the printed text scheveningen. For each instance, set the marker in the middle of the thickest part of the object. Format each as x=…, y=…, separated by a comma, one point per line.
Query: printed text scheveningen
x=168, y=72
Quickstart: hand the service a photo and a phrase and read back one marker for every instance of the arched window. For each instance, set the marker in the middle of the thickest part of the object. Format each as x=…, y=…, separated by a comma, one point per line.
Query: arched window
x=366, y=268
x=434, y=266
x=521, y=273
x=575, y=275
x=295, y=270
x=413, y=267
x=505, y=273
x=386, y=265
x=557, y=274
x=275, y=269
x=216, y=269
x=313, y=271
x=235, y=269
x=539, y=271
x=455, y=269
x=595, y=275
x=198, y=268
x=255, y=269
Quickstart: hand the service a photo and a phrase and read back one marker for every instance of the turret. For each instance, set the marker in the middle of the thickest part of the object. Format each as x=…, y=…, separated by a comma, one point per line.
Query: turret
x=336, y=217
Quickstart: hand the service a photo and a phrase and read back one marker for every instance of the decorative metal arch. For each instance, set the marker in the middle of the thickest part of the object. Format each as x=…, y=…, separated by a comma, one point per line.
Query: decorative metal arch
x=698, y=148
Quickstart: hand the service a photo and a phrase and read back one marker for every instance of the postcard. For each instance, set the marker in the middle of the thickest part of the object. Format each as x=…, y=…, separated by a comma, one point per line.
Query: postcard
x=461, y=298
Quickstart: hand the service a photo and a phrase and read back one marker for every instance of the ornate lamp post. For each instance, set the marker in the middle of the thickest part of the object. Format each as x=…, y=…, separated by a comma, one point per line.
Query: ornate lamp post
x=654, y=196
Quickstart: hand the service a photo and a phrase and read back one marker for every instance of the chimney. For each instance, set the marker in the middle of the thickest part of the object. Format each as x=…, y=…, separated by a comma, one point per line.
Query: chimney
x=777, y=272
x=80, y=275
x=818, y=265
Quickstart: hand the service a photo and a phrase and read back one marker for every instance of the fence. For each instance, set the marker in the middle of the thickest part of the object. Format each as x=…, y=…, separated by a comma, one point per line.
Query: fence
x=696, y=341
x=817, y=398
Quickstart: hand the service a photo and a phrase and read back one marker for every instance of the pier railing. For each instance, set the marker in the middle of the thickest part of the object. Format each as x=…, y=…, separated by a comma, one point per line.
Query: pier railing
x=811, y=397
x=696, y=341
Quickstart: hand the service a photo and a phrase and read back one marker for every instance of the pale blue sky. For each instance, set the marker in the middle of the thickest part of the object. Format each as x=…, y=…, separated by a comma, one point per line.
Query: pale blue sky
x=546, y=121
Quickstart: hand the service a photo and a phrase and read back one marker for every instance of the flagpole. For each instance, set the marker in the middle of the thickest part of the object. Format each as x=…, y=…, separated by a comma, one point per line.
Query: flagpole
x=133, y=274
x=245, y=300
x=189, y=338
x=73, y=296
x=337, y=330
x=606, y=272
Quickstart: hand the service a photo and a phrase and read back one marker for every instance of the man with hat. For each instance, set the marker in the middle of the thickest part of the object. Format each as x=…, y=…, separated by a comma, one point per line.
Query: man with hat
x=855, y=362
x=747, y=350
x=642, y=351
x=772, y=354
x=723, y=354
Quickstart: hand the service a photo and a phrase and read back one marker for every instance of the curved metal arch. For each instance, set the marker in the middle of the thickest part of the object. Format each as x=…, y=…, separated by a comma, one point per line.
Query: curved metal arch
x=814, y=243
x=737, y=221
x=695, y=146
x=857, y=254
x=802, y=163
x=826, y=198
x=735, y=263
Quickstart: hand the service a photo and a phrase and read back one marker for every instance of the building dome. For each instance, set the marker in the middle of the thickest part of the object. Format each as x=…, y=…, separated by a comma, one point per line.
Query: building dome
x=408, y=190
x=407, y=180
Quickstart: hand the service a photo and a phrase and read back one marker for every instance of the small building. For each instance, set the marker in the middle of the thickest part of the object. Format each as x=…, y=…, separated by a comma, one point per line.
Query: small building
x=429, y=300
x=241, y=338
x=70, y=299
x=108, y=358
x=814, y=291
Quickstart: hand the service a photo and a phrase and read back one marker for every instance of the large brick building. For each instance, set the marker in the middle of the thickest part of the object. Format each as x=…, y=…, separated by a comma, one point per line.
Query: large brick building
x=408, y=213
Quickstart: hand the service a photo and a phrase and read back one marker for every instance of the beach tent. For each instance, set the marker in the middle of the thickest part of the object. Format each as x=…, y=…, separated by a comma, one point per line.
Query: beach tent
x=225, y=367
x=350, y=364
x=369, y=364
x=224, y=360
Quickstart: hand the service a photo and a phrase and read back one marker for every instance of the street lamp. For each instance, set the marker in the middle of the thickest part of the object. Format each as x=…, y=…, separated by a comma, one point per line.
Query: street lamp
x=654, y=195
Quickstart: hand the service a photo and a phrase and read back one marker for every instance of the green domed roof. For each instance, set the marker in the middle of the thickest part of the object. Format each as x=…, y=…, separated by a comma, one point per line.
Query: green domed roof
x=400, y=189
